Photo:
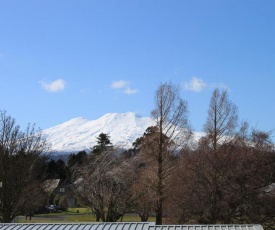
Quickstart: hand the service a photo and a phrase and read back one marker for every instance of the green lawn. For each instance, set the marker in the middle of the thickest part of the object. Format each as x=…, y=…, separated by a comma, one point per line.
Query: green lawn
x=79, y=210
x=74, y=215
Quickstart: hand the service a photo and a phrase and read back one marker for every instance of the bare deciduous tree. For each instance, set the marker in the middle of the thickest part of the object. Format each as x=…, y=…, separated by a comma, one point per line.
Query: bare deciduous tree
x=144, y=190
x=222, y=118
x=104, y=184
x=229, y=185
x=171, y=121
x=20, y=191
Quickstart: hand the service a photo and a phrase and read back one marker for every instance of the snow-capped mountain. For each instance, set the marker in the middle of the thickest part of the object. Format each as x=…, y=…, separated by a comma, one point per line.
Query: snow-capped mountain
x=80, y=134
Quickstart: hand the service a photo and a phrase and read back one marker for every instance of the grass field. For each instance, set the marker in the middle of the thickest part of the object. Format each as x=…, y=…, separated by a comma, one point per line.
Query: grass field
x=73, y=215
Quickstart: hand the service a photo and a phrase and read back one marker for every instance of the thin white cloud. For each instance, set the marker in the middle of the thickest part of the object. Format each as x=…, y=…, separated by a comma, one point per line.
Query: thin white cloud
x=124, y=86
x=195, y=85
x=130, y=91
x=55, y=86
x=119, y=84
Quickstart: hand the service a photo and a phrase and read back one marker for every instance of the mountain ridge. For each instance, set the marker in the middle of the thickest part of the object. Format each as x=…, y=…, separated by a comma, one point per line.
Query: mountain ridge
x=79, y=133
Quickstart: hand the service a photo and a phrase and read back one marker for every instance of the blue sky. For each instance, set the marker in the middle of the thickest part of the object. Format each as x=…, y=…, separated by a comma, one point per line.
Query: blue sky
x=63, y=59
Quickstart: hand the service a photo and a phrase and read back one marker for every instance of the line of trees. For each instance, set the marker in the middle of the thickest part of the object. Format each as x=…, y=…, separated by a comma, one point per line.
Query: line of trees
x=227, y=176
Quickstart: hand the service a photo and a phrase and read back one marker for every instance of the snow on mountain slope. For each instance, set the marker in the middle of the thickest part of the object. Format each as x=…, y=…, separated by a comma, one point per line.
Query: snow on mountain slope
x=80, y=134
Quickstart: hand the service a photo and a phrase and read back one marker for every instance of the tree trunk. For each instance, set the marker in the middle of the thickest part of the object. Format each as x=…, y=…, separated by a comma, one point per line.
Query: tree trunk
x=143, y=217
x=159, y=207
x=6, y=217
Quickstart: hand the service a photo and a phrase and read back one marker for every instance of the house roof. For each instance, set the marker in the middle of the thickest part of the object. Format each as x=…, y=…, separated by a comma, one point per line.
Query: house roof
x=207, y=227
x=77, y=226
x=50, y=185
x=123, y=226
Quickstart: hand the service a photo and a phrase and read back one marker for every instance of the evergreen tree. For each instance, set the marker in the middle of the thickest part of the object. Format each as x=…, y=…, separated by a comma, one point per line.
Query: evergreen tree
x=61, y=170
x=103, y=143
x=78, y=159
x=52, y=169
x=75, y=161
